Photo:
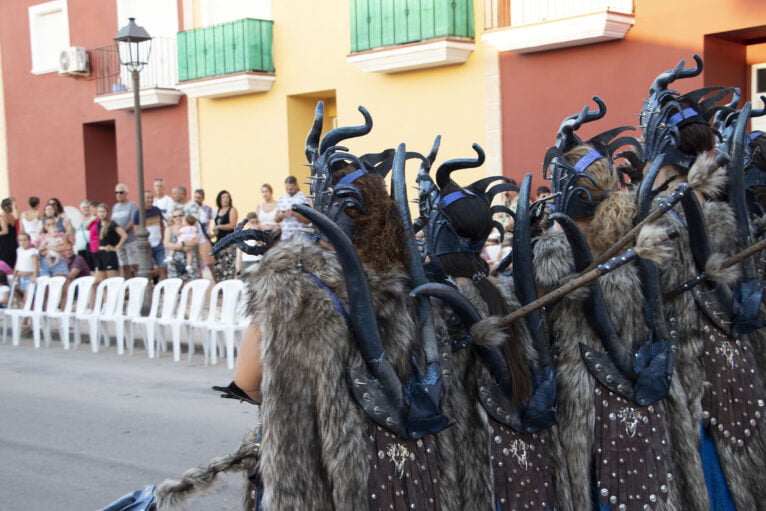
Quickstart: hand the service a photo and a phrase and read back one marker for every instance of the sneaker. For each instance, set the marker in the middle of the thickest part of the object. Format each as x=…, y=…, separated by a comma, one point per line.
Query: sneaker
x=189, y=268
x=168, y=259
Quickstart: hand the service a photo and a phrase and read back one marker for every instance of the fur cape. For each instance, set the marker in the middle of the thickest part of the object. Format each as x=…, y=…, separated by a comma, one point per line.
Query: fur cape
x=741, y=453
x=499, y=468
x=315, y=450
x=605, y=438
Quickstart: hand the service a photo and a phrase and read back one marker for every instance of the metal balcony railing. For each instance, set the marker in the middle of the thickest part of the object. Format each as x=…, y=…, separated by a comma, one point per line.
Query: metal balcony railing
x=160, y=72
x=376, y=23
x=513, y=13
x=234, y=47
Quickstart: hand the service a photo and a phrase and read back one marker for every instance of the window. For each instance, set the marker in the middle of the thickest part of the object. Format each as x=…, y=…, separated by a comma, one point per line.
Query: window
x=215, y=12
x=49, y=34
x=758, y=88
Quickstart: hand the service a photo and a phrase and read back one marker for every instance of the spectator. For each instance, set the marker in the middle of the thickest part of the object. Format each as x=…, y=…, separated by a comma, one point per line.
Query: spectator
x=156, y=227
x=188, y=236
x=27, y=264
x=178, y=267
x=5, y=290
x=63, y=225
x=8, y=243
x=93, y=241
x=32, y=219
x=111, y=238
x=162, y=201
x=267, y=210
x=52, y=246
x=206, y=214
x=289, y=221
x=225, y=221
x=122, y=214
x=205, y=211
x=244, y=260
x=543, y=192
x=179, y=199
x=82, y=234
x=77, y=265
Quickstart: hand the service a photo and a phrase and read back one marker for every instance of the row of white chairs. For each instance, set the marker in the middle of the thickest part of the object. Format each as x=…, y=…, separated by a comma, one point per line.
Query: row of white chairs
x=118, y=302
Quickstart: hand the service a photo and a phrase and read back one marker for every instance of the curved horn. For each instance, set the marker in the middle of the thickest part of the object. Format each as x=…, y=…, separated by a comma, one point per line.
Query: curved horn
x=338, y=134
x=523, y=271
x=646, y=187
x=480, y=186
x=449, y=166
x=312, y=140
x=595, y=305
x=663, y=80
x=363, y=321
x=415, y=266
x=498, y=188
x=469, y=316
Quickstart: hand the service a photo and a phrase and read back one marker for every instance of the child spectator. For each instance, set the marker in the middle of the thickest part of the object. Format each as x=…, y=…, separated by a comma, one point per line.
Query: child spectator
x=27, y=264
x=188, y=234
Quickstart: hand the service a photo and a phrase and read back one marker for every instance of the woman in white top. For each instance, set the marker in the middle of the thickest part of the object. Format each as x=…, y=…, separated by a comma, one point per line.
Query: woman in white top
x=32, y=219
x=267, y=210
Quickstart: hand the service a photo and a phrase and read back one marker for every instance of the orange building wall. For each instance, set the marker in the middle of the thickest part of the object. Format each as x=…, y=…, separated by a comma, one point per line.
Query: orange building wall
x=45, y=116
x=540, y=89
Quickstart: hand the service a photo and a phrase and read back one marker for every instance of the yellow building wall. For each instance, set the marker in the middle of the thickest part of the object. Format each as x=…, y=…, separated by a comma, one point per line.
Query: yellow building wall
x=250, y=140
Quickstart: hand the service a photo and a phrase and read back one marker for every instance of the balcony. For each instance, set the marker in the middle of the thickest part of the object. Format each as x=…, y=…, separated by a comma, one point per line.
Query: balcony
x=527, y=26
x=392, y=37
x=114, y=87
x=229, y=59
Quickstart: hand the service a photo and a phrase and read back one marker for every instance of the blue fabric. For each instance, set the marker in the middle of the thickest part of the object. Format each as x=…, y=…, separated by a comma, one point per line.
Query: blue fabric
x=687, y=113
x=588, y=158
x=350, y=178
x=452, y=197
x=335, y=300
x=717, y=489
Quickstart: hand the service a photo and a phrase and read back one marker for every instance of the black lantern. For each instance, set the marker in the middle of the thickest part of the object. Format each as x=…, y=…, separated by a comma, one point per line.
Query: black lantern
x=132, y=46
x=134, y=50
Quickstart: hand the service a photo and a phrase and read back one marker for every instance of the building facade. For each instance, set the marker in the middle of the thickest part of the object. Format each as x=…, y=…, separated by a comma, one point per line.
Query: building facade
x=554, y=56
x=58, y=60
x=253, y=72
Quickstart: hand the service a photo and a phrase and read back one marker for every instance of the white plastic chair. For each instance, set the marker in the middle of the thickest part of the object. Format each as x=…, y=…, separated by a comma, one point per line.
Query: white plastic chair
x=105, y=301
x=164, y=300
x=130, y=299
x=35, y=293
x=9, y=307
x=188, y=311
x=52, y=305
x=221, y=319
x=81, y=288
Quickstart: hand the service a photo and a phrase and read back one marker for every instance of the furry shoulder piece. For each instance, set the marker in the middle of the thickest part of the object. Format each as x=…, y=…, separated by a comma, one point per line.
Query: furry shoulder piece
x=317, y=447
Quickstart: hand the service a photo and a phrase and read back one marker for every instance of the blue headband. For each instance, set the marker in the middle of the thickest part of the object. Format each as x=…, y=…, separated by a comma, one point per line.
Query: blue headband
x=350, y=178
x=452, y=197
x=585, y=162
x=687, y=113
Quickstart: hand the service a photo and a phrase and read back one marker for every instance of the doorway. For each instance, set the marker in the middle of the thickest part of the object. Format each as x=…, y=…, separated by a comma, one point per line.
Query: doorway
x=100, y=144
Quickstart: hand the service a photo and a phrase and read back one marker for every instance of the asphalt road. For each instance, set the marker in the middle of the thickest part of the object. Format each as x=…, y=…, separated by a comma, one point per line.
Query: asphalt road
x=78, y=429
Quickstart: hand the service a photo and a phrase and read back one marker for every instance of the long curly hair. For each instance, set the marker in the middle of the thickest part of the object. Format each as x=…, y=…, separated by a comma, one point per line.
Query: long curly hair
x=379, y=236
x=614, y=214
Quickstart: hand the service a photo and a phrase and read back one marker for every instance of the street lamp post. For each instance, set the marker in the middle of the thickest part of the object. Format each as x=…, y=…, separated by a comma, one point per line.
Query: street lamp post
x=134, y=44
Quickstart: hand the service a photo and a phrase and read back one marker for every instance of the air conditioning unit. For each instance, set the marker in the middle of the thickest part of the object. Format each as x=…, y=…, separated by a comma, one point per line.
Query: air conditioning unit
x=73, y=61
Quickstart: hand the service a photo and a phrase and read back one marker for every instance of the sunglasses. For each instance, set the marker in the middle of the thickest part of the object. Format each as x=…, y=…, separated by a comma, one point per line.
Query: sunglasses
x=178, y=216
x=119, y=192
